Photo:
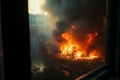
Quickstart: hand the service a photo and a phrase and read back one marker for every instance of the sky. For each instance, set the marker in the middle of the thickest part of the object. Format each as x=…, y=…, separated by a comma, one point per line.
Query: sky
x=34, y=6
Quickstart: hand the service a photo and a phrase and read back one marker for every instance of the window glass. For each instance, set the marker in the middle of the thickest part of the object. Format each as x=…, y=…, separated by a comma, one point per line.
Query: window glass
x=67, y=37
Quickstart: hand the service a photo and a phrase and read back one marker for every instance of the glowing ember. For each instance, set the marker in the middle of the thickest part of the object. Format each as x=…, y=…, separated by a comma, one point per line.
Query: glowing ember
x=72, y=49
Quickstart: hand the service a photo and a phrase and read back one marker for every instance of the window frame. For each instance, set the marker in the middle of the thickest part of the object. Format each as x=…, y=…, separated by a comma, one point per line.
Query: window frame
x=16, y=49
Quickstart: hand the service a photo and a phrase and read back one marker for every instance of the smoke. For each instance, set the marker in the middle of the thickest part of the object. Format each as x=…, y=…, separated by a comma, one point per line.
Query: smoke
x=72, y=10
x=87, y=15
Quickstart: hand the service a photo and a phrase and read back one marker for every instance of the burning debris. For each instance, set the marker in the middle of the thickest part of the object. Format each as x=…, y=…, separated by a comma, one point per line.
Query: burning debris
x=71, y=48
x=78, y=28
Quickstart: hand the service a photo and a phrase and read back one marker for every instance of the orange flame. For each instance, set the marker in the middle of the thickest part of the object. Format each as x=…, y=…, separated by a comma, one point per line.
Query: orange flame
x=72, y=49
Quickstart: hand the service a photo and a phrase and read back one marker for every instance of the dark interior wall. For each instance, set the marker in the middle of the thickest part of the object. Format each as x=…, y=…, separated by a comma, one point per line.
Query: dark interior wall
x=114, y=39
x=1, y=51
x=15, y=36
x=0, y=29
x=117, y=58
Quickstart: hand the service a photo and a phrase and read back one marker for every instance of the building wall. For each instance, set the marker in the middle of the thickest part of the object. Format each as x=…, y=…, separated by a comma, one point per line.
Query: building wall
x=38, y=28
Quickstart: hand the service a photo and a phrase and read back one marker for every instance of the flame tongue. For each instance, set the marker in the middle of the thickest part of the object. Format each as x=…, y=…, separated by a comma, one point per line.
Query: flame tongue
x=72, y=49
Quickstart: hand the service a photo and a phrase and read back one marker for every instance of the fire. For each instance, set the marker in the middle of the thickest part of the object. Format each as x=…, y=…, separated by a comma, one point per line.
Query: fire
x=72, y=49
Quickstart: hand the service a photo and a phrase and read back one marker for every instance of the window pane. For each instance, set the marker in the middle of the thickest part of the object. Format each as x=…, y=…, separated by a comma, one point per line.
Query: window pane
x=67, y=37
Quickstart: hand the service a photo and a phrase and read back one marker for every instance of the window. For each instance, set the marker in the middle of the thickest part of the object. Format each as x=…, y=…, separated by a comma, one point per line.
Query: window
x=67, y=37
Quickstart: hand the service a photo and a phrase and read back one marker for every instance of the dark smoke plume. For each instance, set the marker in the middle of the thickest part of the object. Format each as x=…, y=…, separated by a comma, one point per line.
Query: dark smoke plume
x=87, y=15
x=72, y=10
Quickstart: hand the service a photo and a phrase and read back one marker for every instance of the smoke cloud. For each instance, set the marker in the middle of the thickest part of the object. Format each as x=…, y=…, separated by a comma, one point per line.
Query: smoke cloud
x=72, y=10
x=87, y=15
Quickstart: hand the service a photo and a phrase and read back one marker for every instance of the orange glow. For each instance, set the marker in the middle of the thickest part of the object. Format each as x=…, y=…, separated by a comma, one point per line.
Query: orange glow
x=91, y=38
x=66, y=73
x=72, y=49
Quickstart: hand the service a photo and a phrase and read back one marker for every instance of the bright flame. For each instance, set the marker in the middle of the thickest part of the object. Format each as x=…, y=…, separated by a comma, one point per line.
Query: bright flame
x=72, y=49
